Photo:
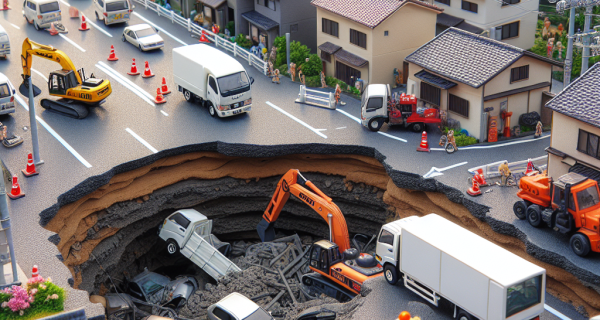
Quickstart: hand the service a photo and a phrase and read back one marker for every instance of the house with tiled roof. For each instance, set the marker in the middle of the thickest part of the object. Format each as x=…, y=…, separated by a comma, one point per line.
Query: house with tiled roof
x=368, y=39
x=472, y=79
x=574, y=144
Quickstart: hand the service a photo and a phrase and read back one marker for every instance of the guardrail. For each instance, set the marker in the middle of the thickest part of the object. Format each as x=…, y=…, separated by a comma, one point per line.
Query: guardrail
x=192, y=27
x=316, y=98
x=517, y=168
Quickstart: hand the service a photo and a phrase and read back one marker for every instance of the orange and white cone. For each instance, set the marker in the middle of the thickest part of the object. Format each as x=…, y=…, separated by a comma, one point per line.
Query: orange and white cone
x=112, y=56
x=147, y=72
x=15, y=192
x=529, y=167
x=4, y=5
x=424, y=146
x=134, y=71
x=73, y=12
x=203, y=38
x=52, y=30
x=34, y=271
x=164, y=89
x=159, y=97
x=84, y=26
x=474, y=190
x=30, y=170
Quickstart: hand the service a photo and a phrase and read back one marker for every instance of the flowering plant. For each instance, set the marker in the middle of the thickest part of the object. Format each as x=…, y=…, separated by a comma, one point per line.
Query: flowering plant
x=40, y=298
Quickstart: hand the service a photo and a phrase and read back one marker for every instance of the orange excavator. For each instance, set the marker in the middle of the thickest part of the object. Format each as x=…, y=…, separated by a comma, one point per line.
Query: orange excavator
x=334, y=258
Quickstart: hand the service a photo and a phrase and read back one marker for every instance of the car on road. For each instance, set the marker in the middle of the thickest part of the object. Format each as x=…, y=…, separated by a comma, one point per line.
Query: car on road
x=113, y=11
x=143, y=36
x=236, y=306
x=4, y=43
x=7, y=96
x=41, y=13
x=160, y=290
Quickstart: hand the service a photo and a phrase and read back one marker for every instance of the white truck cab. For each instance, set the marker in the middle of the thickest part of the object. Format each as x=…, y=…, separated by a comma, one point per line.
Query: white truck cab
x=41, y=13
x=235, y=306
x=374, y=110
x=113, y=11
x=7, y=96
x=4, y=43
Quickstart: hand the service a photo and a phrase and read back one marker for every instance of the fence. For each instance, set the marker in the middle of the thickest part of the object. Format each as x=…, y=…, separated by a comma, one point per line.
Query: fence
x=316, y=98
x=517, y=168
x=192, y=27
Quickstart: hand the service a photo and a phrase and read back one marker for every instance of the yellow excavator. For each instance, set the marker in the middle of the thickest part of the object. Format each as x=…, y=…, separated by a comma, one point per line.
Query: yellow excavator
x=76, y=91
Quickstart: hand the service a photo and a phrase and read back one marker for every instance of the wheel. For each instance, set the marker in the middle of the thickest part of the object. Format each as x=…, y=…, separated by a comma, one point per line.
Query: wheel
x=168, y=313
x=450, y=148
x=140, y=47
x=98, y=18
x=520, y=209
x=189, y=97
x=391, y=274
x=211, y=110
x=463, y=315
x=172, y=246
x=534, y=215
x=375, y=124
x=418, y=127
x=123, y=38
x=35, y=25
x=510, y=181
x=580, y=244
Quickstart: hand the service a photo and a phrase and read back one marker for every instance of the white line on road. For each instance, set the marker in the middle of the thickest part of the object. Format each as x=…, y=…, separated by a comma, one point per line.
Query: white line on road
x=494, y=145
x=555, y=312
x=142, y=141
x=159, y=28
x=390, y=136
x=340, y=128
x=66, y=3
x=98, y=27
x=71, y=42
x=358, y=120
x=14, y=25
x=40, y=74
x=166, y=114
x=434, y=172
x=297, y=120
x=55, y=135
x=125, y=82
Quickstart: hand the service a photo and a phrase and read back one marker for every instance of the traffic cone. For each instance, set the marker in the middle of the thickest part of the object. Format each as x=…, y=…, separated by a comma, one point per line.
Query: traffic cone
x=474, y=190
x=30, y=170
x=84, y=26
x=404, y=315
x=424, y=146
x=4, y=5
x=112, y=56
x=147, y=72
x=203, y=38
x=34, y=271
x=159, y=97
x=479, y=177
x=52, y=30
x=73, y=12
x=15, y=192
x=134, y=71
x=164, y=88
x=529, y=167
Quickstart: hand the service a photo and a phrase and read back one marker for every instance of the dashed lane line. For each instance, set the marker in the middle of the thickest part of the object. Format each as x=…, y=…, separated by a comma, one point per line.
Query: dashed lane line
x=166, y=114
x=494, y=145
x=297, y=120
x=126, y=82
x=142, y=141
x=159, y=28
x=379, y=132
x=15, y=26
x=71, y=42
x=98, y=27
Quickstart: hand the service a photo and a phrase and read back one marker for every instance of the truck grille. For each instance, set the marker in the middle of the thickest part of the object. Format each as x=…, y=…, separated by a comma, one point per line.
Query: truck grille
x=236, y=105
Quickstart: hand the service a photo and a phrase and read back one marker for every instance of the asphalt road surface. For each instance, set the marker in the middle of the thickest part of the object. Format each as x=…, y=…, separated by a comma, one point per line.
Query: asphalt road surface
x=130, y=126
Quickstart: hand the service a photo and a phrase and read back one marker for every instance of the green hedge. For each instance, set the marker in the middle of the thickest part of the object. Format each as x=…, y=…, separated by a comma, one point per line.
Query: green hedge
x=462, y=140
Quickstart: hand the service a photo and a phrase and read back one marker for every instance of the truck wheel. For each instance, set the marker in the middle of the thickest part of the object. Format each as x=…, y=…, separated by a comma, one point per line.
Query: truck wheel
x=375, y=124
x=463, y=315
x=418, y=127
x=172, y=246
x=520, y=209
x=534, y=215
x=211, y=110
x=189, y=97
x=580, y=244
x=391, y=274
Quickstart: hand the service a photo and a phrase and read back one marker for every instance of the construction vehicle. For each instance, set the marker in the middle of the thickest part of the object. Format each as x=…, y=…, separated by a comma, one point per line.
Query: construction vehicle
x=379, y=106
x=73, y=87
x=570, y=205
x=333, y=259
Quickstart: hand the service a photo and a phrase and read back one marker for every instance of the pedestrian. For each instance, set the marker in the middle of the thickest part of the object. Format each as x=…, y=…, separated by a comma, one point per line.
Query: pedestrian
x=275, y=77
x=323, y=83
x=538, y=130
x=301, y=77
x=504, y=172
x=292, y=71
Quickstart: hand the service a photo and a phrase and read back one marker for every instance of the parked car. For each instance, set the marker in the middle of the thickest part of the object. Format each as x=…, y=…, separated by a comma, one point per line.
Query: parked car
x=121, y=306
x=237, y=307
x=7, y=96
x=4, y=43
x=113, y=11
x=143, y=36
x=159, y=290
x=41, y=13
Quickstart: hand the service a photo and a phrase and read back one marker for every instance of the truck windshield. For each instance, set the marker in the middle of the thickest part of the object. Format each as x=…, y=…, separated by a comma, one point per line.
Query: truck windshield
x=233, y=84
x=49, y=7
x=4, y=91
x=523, y=295
x=145, y=32
x=116, y=6
x=588, y=197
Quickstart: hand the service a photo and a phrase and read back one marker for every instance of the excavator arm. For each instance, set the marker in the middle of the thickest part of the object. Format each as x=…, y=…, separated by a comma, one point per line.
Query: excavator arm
x=31, y=48
x=294, y=183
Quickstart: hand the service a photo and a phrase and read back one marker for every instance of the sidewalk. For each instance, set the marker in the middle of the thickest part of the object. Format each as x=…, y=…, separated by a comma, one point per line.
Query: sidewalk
x=8, y=274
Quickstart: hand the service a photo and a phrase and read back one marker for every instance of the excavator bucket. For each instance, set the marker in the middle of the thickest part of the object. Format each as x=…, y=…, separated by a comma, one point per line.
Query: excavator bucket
x=24, y=89
x=266, y=230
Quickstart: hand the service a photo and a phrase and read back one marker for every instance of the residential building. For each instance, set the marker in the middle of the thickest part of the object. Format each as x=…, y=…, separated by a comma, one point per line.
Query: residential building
x=574, y=144
x=470, y=77
x=510, y=21
x=368, y=39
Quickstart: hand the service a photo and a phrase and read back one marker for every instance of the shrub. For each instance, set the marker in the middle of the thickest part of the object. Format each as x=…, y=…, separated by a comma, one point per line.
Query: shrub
x=281, y=57
x=313, y=67
x=243, y=42
x=231, y=27
x=298, y=53
x=283, y=69
x=462, y=140
x=314, y=81
x=40, y=299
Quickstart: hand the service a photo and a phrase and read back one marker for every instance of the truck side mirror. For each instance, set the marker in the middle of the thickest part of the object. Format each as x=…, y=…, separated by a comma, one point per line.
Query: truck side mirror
x=14, y=91
x=251, y=80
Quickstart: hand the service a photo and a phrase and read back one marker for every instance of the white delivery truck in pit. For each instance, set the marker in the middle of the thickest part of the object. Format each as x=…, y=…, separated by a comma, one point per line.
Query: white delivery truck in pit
x=217, y=80
x=438, y=259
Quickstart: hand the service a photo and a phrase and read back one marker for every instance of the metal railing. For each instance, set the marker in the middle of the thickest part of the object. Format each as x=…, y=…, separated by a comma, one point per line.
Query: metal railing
x=316, y=98
x=192, y=27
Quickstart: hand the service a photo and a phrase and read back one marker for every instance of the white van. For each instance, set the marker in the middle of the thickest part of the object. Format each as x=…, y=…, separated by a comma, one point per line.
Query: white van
x=4, y=43
x=41, y=12
x=113, y=11
x=7, y=96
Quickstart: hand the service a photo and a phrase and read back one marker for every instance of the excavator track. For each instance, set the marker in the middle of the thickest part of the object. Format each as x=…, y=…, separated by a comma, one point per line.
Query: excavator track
x=66, y=107
x=321, y=285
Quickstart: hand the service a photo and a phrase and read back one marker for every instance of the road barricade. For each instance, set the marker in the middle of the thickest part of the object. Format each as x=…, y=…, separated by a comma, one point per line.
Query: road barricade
x=517, y=168
x=316, y=98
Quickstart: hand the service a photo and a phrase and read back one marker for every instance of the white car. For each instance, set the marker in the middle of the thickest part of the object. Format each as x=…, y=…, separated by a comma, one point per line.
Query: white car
x=4, y=43
x=7, y=96
x=41, y=13
x=143, y=36
x=113, y=11
x=237, y=307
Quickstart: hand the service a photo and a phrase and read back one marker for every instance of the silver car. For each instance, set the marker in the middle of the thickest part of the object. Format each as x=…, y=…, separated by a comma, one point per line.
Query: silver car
x=143, y=36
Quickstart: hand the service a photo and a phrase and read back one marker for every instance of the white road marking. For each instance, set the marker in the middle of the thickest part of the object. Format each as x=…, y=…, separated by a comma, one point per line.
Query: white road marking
x=340, y=128
x=142, y=141
x=555, y=312
x=14, y=25
x=126, y=82
x=98, y=28
x=297, y=120
x=159, y=28
x=71, y=42
x=358, y=120
x=494, y=145
x=66, y=3
x=321, y=129
x=54, y=134
x=349, y=115
x=434, y=172
x=166, y=114
x=40, y=74
x=391, y=136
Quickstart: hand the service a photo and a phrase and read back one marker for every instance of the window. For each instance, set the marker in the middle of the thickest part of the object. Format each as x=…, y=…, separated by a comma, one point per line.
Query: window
x=458, y=105
x=510, y=30
x=213, y=84
x=375, y=103
x=358, y=38
x=430, y=93
x=523, y=295
x=446, y=2
x=101, y=3
x=519, y=73
x=49, y=7
x=180, y=220
x=221, y=314
x=469, y=6
x=587, y=198
x=325, y=56
x=386, y=237
x=270, y=4
x=294, y=27
x=330, y=27
x=4, y=91
x=117, y=6
x=588, y=144
x=346, y=73
x=386, y=33
x=509, y=2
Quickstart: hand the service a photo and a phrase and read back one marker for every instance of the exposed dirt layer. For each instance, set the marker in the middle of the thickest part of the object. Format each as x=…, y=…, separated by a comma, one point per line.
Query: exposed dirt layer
x=101, y=222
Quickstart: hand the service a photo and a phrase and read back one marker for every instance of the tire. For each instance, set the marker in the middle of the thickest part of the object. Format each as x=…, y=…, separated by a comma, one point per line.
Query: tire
x=172, y=246
x=140, y=47
x=123, y=38
x=211, y=110
x=580, y=244
x=463, y=315
x=520, y=209
x=534, y=215
x=375, y=124
x=98, y=19
x=391, y=274
x=35, y=25
x=450, y=148
x=188, y=96
x=418, y=127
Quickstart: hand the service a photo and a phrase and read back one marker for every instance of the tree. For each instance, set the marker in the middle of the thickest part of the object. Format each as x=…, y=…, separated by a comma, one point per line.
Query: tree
x=298, y=53
x=281, y=58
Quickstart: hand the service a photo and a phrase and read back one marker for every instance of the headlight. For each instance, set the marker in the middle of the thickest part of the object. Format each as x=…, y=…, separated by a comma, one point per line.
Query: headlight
x=223, y=108
x=248, y=102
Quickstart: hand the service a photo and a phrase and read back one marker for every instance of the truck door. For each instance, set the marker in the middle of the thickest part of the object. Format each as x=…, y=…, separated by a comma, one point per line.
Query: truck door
x=385, y=247
x=175, y=227
x=213, y=92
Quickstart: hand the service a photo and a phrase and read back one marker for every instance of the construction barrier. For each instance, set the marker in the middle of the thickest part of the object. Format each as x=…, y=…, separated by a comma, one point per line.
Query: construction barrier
x=316, y=98
x=517, y=168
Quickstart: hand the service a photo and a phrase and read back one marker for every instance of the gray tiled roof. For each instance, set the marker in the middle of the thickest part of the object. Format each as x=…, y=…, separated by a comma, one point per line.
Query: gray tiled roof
x=329, y=47
x=350, y=58
x=465, y=57
x=259, y=20
x=580, y=99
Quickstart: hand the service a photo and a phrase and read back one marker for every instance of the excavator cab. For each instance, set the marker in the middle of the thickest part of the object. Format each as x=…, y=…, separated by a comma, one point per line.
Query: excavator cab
x=323, y=255
x=60, y=81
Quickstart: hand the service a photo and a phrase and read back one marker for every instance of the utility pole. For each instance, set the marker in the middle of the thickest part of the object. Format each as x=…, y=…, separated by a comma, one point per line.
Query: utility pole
x=287, y=48
x=5, y=224
x=569, y=58
x=586, y=40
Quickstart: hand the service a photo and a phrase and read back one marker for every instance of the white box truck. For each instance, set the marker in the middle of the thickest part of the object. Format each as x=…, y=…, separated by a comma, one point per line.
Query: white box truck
x=215, y=79
x=438, y=259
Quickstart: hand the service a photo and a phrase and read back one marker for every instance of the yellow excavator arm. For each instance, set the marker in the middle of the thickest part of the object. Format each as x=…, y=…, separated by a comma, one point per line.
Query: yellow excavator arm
x=31, y=48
